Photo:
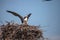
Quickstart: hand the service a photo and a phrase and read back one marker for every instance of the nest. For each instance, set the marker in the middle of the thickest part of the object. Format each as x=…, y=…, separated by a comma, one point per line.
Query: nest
x=20, y=32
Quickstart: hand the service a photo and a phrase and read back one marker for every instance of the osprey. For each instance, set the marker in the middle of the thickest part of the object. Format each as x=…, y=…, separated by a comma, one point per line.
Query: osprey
x=23, y=19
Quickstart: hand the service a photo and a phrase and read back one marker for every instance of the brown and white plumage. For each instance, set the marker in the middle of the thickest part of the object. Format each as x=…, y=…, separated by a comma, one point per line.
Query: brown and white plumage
x=27, y=17
x=23, y=19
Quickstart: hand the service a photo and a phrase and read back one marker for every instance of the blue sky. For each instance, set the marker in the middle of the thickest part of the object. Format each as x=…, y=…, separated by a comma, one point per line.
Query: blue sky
x=44, y=13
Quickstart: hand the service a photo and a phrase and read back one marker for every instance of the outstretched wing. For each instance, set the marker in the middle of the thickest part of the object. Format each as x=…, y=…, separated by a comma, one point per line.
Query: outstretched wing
x=15, y=14
x=28, y=15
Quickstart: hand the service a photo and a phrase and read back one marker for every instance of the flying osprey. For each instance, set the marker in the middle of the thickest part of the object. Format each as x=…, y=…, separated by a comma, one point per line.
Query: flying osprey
x=23, y=19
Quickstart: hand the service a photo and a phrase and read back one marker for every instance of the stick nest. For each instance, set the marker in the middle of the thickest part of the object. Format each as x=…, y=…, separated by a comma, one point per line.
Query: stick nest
x=12, y=31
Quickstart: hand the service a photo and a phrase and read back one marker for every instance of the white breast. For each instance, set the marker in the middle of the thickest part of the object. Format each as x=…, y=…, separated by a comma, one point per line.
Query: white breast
x=25, y=19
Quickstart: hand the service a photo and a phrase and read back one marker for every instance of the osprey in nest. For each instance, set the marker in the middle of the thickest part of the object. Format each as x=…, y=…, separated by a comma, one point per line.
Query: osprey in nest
x=23, y=19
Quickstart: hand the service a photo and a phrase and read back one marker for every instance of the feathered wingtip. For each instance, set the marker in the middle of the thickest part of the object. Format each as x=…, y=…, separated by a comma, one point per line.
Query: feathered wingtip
x=29, y=15
x=14, y=13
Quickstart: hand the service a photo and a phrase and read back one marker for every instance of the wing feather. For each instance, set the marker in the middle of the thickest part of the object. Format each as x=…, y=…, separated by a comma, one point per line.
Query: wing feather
x=15, y=14
x=29, y=15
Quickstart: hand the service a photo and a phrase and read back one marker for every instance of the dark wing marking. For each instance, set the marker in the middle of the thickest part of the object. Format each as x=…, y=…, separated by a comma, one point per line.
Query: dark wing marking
x=15, y=14
x=28, y=15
